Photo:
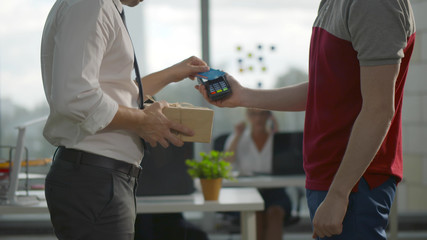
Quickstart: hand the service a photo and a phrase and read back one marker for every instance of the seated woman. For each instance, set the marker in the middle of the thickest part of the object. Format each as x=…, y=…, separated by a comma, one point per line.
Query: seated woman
x=253, y=153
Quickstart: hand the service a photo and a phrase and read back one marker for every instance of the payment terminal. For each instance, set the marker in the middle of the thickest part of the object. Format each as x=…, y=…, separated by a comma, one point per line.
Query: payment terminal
x=216, y=84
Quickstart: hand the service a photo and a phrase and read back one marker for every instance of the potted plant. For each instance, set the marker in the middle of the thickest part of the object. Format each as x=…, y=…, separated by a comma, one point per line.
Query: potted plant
x=210, y=170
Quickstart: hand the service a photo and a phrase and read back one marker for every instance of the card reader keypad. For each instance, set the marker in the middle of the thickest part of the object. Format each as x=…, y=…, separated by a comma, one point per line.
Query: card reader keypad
x=218, y=87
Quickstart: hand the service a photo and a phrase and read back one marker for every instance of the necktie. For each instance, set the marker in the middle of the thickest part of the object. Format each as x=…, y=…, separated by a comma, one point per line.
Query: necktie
x=137, y=74
x=136, y=69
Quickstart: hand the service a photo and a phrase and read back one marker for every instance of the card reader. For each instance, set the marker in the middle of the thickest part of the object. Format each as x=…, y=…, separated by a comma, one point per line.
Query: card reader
x=216, y=84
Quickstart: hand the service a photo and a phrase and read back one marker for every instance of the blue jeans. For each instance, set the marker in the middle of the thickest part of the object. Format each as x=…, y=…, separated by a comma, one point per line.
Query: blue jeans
x=367, y=212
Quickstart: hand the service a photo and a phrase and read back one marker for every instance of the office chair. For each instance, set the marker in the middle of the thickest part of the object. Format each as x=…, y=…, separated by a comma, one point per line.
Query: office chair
x=287, y=160
x=164, y=173
x=219, y=141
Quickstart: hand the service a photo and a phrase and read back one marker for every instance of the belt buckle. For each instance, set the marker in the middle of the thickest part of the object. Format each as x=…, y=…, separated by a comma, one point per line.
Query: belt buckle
x=139, y=171
x=135, y=171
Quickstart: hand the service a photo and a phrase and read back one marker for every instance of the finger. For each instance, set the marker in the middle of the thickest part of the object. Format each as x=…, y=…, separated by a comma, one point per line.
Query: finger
x=202, y=90
x=164, y=143
x=182, y=129
x=153, y=143
x=323, y=232
x=318, y=234
x=193, y=76
x=197, y=61
x=163, y=104
x=336, y=229
x=174, y=139
x=314, y=236
x=199, y=88
x=200, y=68
x=317, y=228
x=201, y=76
x=330, y=229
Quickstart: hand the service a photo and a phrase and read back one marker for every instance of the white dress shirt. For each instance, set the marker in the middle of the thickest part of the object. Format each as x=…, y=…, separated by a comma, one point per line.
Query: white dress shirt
x=87, y=62
x=248, y=159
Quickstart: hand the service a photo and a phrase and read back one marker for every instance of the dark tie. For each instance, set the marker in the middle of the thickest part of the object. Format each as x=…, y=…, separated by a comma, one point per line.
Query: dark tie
x=138, y=76
x=136, y=68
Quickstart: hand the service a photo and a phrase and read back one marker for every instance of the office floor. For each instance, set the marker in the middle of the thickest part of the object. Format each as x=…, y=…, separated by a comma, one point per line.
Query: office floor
x=415, y=229
x=29, y=227
x=290, y=236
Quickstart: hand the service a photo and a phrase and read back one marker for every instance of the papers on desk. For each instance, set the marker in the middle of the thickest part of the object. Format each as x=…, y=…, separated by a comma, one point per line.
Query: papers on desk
x=187, y=197
x=31, y=176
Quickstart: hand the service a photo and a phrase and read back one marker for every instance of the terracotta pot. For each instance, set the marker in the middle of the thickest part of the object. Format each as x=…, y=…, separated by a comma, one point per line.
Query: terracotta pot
x=211, y=188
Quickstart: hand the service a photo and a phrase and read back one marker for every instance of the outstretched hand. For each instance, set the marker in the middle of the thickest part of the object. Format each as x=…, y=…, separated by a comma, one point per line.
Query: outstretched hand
x=189, y=67
x=233, y=100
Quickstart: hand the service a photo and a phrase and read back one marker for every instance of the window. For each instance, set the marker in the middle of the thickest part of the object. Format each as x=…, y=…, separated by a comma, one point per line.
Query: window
x=21, y=89
x=262, y=44
x=171, y=32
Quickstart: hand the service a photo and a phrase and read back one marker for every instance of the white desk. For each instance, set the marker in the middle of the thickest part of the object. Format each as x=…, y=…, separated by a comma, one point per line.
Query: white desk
x=267, y=181
x=244, y=200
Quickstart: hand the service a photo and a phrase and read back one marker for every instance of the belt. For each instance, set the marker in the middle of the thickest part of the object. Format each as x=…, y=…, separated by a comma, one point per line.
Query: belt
x=91, y=159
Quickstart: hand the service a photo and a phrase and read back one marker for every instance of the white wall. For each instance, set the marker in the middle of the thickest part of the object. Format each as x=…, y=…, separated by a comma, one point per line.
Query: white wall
x=412, y=194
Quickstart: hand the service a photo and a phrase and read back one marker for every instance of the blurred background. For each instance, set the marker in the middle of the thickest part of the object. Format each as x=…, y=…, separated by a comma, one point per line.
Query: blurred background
x=264, y=44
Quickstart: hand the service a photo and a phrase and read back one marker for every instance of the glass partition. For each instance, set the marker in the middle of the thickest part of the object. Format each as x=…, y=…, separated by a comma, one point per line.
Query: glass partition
x=263, y=44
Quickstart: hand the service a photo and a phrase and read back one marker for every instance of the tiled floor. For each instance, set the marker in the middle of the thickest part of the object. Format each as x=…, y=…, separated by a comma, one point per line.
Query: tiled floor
x=412, y=227
x=422, y=235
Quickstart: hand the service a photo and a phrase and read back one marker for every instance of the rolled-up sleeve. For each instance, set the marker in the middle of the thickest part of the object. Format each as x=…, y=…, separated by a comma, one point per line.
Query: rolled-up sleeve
x=80, y=45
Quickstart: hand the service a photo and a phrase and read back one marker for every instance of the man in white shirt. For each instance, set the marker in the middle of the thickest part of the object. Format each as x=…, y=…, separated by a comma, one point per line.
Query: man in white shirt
x=87, y=60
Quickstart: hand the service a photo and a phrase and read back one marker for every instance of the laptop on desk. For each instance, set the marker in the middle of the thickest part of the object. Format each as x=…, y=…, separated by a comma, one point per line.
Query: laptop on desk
x=164, y=171
x=287, y=154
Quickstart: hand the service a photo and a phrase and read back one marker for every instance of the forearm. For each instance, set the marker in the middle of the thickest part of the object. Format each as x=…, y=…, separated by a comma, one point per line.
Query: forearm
x=126, y=119
x=366, y=137
x=187, y=68
x=370, y=127
x=291, y=98
x=155, y=82
x=232, y=148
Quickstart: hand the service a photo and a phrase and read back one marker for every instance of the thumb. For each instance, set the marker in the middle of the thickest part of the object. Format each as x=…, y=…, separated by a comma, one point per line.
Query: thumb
x=314, y=236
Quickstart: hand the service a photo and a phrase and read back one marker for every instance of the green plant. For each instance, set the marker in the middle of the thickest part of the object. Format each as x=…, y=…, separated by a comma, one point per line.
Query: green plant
x=211, y=166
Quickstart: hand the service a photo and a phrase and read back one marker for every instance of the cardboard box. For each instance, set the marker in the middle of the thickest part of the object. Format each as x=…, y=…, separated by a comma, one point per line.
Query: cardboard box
x=199, y=119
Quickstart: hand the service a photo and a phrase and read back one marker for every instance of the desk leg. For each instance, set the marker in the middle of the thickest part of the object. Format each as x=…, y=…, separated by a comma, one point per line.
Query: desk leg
x=394, y=220
x=248, y=225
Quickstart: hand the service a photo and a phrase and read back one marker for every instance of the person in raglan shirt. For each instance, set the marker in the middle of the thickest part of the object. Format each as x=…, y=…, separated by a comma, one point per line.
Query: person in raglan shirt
x=97, y=119
x=358, y=63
